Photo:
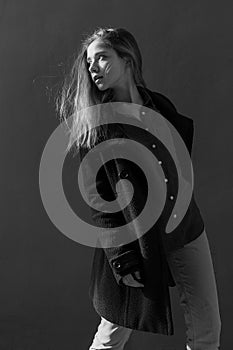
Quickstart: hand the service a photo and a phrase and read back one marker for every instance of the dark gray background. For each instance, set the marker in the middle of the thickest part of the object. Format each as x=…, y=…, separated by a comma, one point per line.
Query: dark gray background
x=187, y=55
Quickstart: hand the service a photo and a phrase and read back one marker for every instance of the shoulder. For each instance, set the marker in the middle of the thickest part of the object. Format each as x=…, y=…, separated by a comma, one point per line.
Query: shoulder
x=163, y=102
x=166, y=106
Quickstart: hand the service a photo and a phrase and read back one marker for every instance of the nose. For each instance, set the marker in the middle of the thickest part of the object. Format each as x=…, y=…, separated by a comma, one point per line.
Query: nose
x=93, y=67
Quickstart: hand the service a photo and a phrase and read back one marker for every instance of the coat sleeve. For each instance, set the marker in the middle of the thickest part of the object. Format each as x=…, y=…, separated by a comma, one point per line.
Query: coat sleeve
x=125, y=258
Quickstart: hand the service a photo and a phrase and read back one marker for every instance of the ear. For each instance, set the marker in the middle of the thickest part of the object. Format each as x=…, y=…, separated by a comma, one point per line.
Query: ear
x=127, y=61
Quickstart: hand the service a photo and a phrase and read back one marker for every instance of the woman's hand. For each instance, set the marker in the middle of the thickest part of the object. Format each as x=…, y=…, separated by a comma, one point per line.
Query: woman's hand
x=128, y=280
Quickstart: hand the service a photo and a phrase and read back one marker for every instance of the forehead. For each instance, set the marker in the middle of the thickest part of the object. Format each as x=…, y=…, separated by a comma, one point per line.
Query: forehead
x=95, y=47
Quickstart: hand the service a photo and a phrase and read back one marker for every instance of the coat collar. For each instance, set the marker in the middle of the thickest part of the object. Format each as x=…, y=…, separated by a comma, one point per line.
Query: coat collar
x=146, y=97
x=147, y=100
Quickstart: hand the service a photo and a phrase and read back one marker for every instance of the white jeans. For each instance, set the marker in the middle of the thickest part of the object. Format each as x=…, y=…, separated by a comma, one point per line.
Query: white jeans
x=192, y=270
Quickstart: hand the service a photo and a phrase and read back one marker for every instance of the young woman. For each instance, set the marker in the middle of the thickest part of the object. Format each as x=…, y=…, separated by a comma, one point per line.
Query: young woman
x=130, y=283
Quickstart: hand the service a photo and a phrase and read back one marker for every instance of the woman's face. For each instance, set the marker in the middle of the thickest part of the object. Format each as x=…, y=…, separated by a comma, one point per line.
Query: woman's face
x=104, y=62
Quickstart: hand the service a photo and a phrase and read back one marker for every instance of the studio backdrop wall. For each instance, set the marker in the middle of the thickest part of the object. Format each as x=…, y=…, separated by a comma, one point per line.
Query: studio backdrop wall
x=187, y=55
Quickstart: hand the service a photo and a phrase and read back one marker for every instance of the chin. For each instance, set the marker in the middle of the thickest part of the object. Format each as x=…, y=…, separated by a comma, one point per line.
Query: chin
x=102, y=87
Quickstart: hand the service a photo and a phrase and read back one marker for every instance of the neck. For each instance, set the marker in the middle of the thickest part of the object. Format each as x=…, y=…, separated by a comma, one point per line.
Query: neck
x=128, y=92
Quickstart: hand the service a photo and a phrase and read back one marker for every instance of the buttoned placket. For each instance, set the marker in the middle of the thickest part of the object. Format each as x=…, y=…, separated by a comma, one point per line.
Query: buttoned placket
x=154, y=146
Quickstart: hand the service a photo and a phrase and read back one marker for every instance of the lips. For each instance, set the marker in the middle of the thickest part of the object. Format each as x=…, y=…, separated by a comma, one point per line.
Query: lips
x=97, y=78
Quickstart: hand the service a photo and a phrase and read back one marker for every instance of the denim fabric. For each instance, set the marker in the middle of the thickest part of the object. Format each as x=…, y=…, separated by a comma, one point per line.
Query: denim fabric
x=193, y=272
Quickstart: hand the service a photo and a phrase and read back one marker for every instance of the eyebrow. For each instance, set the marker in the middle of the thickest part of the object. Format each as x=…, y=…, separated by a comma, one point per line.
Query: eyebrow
x=98, y=53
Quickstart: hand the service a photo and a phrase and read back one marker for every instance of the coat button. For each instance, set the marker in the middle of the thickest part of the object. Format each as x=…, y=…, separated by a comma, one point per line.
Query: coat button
x=153, y=146
x=166, y=180
x=123, y=174
x=116, y=264
x=143, y=113
x=171, y=197
x=160, y=162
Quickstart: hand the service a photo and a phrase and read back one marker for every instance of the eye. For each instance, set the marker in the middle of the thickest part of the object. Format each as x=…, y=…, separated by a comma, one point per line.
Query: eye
x=102, y=56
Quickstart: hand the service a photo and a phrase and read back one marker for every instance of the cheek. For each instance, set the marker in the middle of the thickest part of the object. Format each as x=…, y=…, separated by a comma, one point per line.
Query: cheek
x=112, y=68
x=108, y=68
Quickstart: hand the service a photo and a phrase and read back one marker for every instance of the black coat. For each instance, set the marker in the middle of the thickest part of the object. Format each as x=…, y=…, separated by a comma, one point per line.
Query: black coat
x=147, y=308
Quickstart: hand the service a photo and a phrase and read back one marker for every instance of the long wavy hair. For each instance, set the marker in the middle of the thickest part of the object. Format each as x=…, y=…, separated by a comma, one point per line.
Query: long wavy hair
x=79, y=92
